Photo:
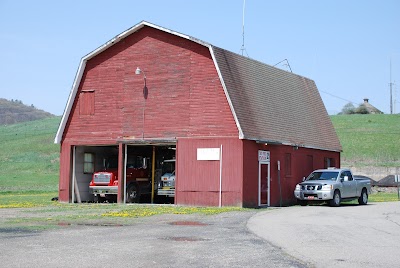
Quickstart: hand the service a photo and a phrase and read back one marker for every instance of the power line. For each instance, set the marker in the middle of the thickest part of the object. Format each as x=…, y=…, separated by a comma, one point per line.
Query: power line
x=349, y=101
x=287, y=64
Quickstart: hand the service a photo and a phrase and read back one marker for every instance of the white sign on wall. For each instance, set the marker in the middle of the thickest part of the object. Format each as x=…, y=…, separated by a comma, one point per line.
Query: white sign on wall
x=263, y=156
x=208, y=153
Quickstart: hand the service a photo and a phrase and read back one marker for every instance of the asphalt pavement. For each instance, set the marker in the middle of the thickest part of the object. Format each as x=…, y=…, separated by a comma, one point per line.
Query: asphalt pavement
x=323, y=236
x=312, y=236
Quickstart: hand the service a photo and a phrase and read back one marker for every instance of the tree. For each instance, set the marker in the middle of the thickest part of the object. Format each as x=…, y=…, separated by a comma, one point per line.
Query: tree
x=362, y=110
x=348, y=109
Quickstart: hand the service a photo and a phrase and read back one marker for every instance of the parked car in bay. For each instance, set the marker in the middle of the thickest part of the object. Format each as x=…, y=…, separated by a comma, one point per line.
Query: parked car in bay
x=332, y=185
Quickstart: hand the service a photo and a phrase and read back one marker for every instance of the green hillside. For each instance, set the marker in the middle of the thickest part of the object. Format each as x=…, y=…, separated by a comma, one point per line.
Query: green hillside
x=369, y=140
x=29, y=160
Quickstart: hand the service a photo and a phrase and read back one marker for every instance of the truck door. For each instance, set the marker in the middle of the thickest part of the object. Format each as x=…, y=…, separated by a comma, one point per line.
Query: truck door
x=349, y=184
x=352, y=183
x=345, y=185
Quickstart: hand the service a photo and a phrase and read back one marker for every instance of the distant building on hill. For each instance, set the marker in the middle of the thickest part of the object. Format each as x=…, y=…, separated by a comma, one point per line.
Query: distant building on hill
x=369, y=107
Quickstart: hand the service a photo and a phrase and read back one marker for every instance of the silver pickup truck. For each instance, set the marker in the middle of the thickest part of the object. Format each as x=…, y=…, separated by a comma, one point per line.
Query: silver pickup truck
x=332, y=186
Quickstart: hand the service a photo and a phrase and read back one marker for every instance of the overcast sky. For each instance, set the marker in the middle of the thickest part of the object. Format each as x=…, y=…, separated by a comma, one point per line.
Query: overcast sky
x=345, y=46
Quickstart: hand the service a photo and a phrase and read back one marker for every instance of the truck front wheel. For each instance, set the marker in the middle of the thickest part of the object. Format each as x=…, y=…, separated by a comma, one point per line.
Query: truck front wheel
x=363, y=199
x=132, y=194
x=335, y=202
x=302, y=202
x=99, y=199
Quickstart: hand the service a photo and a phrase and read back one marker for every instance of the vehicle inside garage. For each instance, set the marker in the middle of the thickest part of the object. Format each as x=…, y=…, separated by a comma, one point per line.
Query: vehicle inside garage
x=96, y=173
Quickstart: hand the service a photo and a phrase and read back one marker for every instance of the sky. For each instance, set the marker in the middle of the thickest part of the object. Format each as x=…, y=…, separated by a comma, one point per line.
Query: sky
x=345, y=46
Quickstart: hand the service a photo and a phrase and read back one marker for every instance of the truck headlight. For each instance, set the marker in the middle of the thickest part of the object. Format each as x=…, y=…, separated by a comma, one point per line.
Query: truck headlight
x=327, y=187
x=298, y=187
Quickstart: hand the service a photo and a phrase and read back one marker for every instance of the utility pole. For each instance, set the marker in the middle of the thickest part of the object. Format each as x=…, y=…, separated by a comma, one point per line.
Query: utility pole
x=390, y=86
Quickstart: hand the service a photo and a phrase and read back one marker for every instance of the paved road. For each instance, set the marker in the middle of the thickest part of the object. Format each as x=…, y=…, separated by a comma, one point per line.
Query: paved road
x=347, y=236
x=159, y=241
x=313, y=236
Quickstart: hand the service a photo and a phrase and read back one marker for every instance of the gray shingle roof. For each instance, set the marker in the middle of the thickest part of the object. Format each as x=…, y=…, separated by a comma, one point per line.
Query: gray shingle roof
x=272, y=105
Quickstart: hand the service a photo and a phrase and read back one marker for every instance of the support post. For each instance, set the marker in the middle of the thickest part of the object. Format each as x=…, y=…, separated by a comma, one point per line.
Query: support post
x=75, y=188
x=125, y=165
x=153, y=168
x=279, y=183
x=220, y=177
x=121, y=175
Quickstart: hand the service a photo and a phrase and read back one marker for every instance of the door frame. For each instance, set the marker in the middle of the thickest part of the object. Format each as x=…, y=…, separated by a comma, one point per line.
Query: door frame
x=264, y=159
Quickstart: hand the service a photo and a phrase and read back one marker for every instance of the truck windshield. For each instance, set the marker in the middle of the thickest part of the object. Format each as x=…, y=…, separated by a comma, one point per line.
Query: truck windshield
x=133, y=162
x=324, y=176
x=168, y=166
x=112, y=163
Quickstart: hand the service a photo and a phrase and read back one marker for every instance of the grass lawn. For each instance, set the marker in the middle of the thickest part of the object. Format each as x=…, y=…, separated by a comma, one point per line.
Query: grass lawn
x=369, y=140
x=36, y=211
x=29, y=160
x=383, y=197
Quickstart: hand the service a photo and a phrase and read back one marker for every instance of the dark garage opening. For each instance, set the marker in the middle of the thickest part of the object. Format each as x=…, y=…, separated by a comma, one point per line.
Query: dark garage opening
x=95, y=175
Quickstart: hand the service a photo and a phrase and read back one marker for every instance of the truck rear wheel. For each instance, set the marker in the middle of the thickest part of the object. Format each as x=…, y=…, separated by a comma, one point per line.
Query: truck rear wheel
x=132, y=194
x=335, y=202
x=363, y=199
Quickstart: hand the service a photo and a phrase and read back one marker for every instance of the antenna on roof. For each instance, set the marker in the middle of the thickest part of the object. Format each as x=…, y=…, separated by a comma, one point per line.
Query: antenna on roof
x=287, y=64
x=243, y=49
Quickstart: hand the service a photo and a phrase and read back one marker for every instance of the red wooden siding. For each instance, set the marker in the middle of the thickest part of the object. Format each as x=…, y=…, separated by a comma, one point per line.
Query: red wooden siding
x=65, y=173
x=300, y=167
x=198, y=181
x=250, y=173
x=185, y=96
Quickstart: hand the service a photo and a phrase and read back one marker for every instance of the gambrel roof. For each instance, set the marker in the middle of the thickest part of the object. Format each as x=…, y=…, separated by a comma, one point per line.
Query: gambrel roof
x=269, y=105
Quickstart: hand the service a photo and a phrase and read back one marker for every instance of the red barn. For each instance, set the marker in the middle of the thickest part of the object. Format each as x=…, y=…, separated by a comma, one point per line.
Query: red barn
x=243, y=133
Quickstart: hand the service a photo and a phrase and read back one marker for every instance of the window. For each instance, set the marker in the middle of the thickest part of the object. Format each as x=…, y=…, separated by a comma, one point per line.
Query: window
x=310, y=164
x=348, y=174
x=88, y=163
x=329, y=162
x=86, y=102
x=288, y=165
x=323, y=176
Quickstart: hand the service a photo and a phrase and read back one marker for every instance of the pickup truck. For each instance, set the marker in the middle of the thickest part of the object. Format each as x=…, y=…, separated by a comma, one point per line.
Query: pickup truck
x=333, y=186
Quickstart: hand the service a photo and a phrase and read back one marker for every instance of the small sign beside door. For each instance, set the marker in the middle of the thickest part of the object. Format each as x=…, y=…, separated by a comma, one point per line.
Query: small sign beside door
x=263, y=156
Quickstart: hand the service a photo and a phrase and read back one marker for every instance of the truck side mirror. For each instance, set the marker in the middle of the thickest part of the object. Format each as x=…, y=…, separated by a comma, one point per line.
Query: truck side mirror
x=346, y=178
x=304, y=178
